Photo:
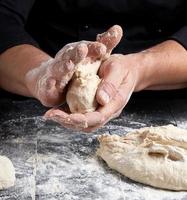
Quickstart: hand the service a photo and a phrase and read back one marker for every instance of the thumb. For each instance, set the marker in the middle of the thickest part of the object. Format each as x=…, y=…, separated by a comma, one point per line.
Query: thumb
x=112, y=76
x=111, y=37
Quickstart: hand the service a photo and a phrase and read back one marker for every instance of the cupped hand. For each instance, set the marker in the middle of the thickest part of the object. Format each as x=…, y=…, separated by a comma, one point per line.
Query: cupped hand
x=121, y=76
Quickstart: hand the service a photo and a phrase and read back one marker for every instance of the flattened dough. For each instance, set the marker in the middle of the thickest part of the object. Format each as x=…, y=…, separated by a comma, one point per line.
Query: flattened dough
x=7, y=173
x=156, y=156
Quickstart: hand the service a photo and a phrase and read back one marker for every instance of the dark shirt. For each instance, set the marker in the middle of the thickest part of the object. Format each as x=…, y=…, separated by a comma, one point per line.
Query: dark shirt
x=50, y=24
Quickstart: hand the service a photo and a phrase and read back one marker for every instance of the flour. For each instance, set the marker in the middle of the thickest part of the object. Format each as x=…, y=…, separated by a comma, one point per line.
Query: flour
x=64, y=165
x=78, y=178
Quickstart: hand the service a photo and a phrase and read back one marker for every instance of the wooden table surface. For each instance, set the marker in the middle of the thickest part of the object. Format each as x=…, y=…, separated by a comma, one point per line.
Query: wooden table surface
x=52, y=162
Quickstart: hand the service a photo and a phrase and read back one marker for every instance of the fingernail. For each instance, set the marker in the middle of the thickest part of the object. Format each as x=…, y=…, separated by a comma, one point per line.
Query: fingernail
x=47, y=115
x=104, y=96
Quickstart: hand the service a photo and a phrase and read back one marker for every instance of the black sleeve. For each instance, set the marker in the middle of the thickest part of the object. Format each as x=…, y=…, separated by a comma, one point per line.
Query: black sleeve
x=181, y=36
x=13, y=17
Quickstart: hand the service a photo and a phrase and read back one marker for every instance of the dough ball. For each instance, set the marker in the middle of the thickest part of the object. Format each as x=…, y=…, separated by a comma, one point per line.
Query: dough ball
x=156, y=156
x=7, y=173
x=81, y=94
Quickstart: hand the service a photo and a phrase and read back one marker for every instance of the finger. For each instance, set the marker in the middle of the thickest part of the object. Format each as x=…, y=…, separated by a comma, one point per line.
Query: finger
x=53, y=112
x=96, y=50
x=73, y=51
x=80, y=53
x=99, y=125
x=92, y=119
x=64, y=66
x=75, y=54
x=62, y=73
x=75, y=121
x=119, y=101
x=93, y=128
x=112, y=109
x=90, y=129
x=47, y=92
x=112, y=74
x=65, y=75
x=72, y=128
x=106, y=90
x=111, y=37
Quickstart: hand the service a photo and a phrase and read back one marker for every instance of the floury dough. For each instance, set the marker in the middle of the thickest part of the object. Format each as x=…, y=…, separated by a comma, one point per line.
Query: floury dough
x=7, y=173
x=81, y=92
x=156, y=156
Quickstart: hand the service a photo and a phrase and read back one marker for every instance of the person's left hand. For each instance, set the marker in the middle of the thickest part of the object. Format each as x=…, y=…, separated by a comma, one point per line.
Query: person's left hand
x=121, y=76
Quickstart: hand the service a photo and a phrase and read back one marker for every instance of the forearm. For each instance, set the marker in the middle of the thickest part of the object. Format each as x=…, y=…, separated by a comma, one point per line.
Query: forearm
x=165, y=67
x=14, y=65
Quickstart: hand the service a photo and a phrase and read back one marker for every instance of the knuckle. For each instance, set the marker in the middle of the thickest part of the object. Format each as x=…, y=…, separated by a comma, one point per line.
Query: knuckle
x=110, y=88
x=110, y=66
x=120, y=99
x=114, y=64
x=102, y=121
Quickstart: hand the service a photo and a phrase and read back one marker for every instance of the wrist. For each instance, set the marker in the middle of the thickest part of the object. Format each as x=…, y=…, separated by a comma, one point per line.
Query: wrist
x=144, y=67
x=34, y=76
x=138, y=64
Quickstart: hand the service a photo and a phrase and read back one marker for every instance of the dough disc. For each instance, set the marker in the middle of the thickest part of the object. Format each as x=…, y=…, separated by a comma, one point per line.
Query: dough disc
x=156, y=156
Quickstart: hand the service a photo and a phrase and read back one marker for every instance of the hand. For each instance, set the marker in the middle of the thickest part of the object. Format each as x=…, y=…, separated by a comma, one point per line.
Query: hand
x=51, y=78
x=121, y=76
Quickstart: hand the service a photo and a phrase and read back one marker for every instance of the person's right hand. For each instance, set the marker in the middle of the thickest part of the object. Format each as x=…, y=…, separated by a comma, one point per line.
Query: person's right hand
x=48, y=81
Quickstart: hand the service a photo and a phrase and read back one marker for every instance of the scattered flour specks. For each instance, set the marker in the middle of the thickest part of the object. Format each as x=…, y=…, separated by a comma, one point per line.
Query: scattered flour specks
x=90, y=178
x=64, y=165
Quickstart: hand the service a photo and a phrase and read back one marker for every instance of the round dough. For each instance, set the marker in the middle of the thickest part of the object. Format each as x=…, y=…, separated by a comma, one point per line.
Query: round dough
x=156, y=156
x=7, y=173
x=80, y=96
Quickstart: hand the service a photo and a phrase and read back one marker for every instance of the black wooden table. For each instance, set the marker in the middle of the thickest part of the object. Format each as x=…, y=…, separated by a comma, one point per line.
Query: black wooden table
x=53, y=162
